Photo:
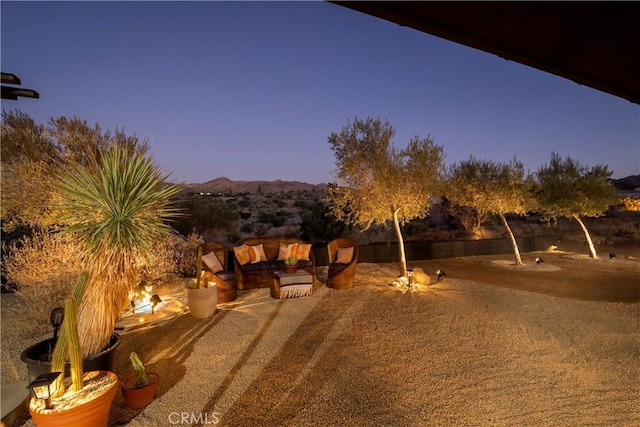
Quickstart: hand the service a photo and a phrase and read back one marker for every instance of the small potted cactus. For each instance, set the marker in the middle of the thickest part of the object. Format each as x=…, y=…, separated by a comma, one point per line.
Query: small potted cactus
x=291, y=264
x=139, y=388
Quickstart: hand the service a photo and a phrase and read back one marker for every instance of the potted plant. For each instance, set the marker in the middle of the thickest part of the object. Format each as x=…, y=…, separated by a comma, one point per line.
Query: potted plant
x=202, y=295
x=291, y=264
x=116, y=204
x=84, y=398
x=139, y=388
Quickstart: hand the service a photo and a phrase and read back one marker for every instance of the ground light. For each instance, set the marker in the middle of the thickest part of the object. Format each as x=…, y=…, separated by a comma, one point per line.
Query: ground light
x=44, y=387
x=155, y=300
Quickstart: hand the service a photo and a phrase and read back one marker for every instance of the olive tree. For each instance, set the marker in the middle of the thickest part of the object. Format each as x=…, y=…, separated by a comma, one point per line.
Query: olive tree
x=378, y=183
x=491, y=188
x=567, y=189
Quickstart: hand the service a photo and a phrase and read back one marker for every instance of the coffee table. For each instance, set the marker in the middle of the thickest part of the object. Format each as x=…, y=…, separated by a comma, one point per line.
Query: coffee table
x=291, y=285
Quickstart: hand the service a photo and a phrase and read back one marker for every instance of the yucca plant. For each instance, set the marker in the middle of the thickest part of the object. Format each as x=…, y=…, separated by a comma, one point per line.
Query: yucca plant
x=116, y=205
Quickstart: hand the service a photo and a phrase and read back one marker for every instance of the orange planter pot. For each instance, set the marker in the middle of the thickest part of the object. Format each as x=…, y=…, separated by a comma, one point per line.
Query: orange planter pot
x=94, y=413
x=138, y=398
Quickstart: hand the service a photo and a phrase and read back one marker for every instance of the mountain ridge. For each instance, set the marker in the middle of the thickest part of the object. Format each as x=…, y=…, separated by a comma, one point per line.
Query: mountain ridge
x=225, y=185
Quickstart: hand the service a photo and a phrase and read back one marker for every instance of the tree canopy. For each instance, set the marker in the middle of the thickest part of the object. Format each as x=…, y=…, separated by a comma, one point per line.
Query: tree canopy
x=568, y=189
x=491, y=188
x=377, y=182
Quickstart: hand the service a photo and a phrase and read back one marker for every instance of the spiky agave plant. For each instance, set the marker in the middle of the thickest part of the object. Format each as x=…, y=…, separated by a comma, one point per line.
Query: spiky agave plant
x=117, y=206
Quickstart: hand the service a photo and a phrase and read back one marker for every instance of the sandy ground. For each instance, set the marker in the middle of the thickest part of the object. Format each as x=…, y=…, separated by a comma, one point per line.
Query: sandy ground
x=491, y=344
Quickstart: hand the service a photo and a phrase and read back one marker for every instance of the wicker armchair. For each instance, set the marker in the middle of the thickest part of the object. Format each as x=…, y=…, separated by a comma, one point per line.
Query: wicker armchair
x=223, y=279
x=341, y=275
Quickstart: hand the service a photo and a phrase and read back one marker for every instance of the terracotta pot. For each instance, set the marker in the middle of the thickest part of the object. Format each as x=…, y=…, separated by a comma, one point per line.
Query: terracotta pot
x=290, y=268
x=93, y=413
x=202, y=302
x=138, y=398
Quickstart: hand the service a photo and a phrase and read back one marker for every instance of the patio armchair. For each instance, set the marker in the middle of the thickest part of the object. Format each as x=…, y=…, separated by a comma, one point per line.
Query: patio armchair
x=343, y=257
x=222, y=278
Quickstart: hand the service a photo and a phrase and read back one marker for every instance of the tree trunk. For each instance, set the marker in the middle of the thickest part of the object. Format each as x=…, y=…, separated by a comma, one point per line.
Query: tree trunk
x=592, y=249
x=401, y=255
x=514, y=244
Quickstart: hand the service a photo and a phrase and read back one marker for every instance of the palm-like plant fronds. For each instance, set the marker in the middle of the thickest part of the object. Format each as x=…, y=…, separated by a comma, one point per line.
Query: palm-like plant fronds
x=117, y=206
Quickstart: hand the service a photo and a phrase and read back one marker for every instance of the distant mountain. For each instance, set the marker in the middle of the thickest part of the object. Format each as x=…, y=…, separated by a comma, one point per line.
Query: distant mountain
x=224, y=185
x=629, y=183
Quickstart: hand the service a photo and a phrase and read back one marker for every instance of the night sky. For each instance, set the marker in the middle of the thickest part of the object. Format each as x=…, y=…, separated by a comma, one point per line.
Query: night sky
x=252, y=90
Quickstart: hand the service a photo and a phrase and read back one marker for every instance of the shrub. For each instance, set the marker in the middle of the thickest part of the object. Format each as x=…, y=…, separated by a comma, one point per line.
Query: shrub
x=247, y=228
x=233, y=236
x=172, y=257
x=260, y=230
x=43, y=261
x=44, y=268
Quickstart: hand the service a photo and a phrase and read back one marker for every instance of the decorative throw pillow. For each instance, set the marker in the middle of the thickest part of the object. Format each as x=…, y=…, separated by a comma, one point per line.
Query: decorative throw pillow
x=344, y=255
x=286, y=250
x=302, y=252
x=212, y=262
x=257, y=253
x=242, y=254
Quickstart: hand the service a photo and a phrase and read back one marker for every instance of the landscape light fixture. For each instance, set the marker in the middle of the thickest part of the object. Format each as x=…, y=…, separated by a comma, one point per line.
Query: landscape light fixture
x=43, y=387
x=539, y=260
x=57, y=316
x=440, y=274
x=155, y=300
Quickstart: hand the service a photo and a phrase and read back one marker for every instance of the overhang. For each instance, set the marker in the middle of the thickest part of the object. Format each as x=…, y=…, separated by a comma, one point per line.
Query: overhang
x=596, y=44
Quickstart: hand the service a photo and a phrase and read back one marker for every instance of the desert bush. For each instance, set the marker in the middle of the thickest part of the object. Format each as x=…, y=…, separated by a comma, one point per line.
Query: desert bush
x=302, y=204
x=44, y=268
x=260, y=230
x=318, y=224
x=270, y=218
x=41, y=260
x=631, y=204
x=173, y=256
x=233, y=237
x=247, y=228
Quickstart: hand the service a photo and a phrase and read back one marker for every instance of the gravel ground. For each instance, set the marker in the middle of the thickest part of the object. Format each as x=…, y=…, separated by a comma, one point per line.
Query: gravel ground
x=491, y=344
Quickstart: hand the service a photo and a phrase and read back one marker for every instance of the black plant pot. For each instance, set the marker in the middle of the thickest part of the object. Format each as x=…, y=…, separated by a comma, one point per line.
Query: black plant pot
x=38, y=357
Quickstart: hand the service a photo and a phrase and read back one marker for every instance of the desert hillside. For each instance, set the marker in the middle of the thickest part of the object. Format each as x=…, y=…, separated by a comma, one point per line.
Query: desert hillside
x=224, y=185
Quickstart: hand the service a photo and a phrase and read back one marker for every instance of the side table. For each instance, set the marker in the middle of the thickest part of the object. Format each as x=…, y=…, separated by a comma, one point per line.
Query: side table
x=291, y=285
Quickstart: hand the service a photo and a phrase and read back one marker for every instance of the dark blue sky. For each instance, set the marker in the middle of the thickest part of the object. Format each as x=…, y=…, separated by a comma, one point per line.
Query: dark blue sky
x=252, y=90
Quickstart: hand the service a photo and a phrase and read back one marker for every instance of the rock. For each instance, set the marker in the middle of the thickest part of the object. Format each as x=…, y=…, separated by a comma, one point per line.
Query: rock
x=418, y=287
x=420, y=277
x=400, y=282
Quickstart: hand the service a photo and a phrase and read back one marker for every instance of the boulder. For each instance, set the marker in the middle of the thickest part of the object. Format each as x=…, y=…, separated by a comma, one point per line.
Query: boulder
x=420, y=277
